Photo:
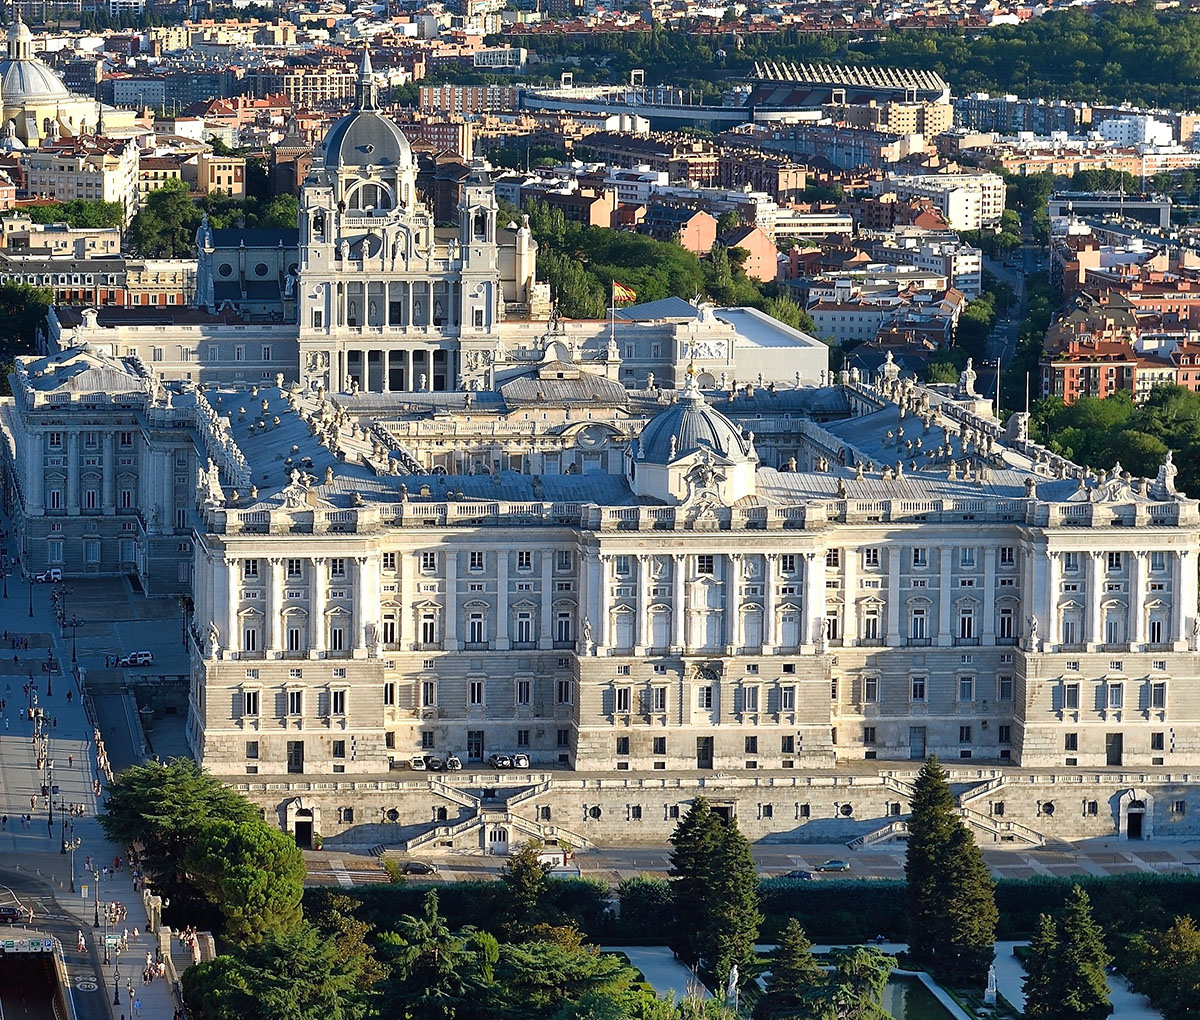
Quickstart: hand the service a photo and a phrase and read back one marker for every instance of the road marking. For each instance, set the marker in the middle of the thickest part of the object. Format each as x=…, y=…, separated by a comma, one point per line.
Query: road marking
x=86, y=984
x=338, y=867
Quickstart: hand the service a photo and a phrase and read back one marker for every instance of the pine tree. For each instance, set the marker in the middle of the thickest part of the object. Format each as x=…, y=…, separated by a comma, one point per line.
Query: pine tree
x=1042, y=994
x=694, y=840
x=795, y=974
x=733, y=918
x=1082, y=960
x=930, y=825
x=969, y=908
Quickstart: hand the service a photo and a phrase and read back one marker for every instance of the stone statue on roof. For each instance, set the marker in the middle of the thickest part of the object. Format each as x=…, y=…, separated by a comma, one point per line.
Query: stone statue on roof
x=966, y=381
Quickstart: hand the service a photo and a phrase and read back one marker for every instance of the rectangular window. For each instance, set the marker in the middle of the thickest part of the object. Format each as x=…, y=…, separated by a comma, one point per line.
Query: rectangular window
x=966, y=556
x=787, y=563
x=389, y=693
x=562, y=692
x=429, y=561
x=387, y=561
x=966, y=688
x=870, y=558
x=1116, y=695
x=870, y=628
x=919, y=558
x=252, y=749
x=1070, y=562
x=250, y=570
x=293, y=568
x=1004, y=688
x=1158, y=562
x=476, y=692
x=1070, y=741
x=337, y=703
x=337, y=567
x=622, y=745
x=704, y=697
x=525, y=560
x=524, y=634
x=871, y=690
x=339, y=749
x=622, y=565
x=523, y=692
x=295, y=756
x=751, y=745
x=964, y=734
x=833, y=558
x=563, y=738
x=522, y=738
x=1114, y=561
x=295, y=702
x=1008, y=556
x=564, y=560
x=787, y=744
x=1157, y=742
x=1071, y=696
x=428, y=693
x=427, y=740
x=660, y=745
x=917, y=625
x=1005, y=733
x=250, y=703
x=624, y=699
x=476, y=629
x=918, y=688
x=1158, y=695
x=749, y=699
x=475, y=561
x=868, y=734
x=705, y=564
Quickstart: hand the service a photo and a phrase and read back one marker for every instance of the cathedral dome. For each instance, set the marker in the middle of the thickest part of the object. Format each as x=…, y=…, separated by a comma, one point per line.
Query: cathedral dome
x=24, y=79
x=688, y=425
x=365, y=137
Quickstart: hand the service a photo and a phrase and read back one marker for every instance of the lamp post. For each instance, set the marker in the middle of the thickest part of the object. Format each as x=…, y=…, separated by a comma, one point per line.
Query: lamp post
x=96, y=897
x=49, y=672
x=117, y=979
x=74, y=640
x=6, y=572
x=49, y=788
x=31, y=596
x=72, y=845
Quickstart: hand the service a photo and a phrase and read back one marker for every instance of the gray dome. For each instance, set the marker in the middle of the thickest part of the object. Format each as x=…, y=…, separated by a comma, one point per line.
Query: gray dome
x=364, y=138
x=694, y=425
x=29, y=81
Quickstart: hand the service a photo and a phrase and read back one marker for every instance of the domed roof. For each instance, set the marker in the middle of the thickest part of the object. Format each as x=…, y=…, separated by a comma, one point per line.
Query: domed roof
x=365, y=137
x=23, y=78
x=691, y=424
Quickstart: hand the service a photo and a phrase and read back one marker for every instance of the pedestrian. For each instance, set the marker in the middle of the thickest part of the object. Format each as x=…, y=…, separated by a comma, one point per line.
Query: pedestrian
x=70, y=759
x=4, y=822
x=80, y=943
x=30, y=909
x=33, y=802
x=69, y=695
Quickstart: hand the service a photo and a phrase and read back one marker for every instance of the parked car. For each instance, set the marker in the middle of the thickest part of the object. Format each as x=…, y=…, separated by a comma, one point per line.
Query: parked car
x=803, y=876
x=418, y=763
x=10, y=914
x=434, y=763
x=453, y=763
x=520, y=761
x=500, y=761
x=419, y=868
x=834, y=865
x=53, y=574
x=136, y=659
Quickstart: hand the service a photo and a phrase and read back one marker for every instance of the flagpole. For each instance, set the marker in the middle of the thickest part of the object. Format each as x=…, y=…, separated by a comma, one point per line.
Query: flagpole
x=612, y=314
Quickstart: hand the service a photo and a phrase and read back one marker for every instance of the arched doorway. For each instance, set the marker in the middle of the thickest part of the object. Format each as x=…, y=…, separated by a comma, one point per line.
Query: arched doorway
x=497, y=841
x=303, y=828
x=1136, y=814
x=303, y=821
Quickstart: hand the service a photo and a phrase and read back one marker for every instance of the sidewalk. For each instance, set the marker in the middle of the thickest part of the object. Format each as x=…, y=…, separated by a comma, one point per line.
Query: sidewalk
x=37, y=846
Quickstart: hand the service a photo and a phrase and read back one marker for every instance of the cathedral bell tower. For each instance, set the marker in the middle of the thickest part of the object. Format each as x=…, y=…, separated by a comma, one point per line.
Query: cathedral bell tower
x=477, y=211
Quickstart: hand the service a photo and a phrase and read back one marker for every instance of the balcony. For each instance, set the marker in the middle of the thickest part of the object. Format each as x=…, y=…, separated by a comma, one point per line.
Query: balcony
x=966, y=641
x=917, y=642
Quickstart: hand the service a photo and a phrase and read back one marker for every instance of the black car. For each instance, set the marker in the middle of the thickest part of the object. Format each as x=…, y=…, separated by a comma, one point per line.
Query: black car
x=419, y=868
x=803, y=876
x=10, y=914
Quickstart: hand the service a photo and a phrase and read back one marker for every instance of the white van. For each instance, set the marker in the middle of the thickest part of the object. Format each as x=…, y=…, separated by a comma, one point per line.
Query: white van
x=136, y=659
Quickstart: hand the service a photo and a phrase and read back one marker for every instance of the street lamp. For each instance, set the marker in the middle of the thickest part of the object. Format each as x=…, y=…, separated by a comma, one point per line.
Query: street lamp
x=31, y=596
x=73, y=845
x=117, y=979
x=49, y=672
x=74, y=642
x=49, y=788
x=96, y=898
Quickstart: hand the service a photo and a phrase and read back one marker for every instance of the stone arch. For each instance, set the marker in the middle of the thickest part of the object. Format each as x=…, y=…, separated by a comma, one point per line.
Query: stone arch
x=1139, y=804
x=302, y=820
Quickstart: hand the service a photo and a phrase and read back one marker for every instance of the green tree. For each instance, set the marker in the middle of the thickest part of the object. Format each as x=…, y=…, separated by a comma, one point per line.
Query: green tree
x=23, y=309
x=78, y=212
x=1041, y=984
x=930, y=825
x=729, y=220
x=694, y=842
x=252, y=872
x=854, y=989
x=1166, y=966
x=335, y=916
x=525, y=876
x=795, y=974
x=435, y=971
x=1082, y=960
x=536, y=977
x=731, y=898
x=790, y=314
x=969, y=902
x=290, y=975
x=165, y=226
x=163, y=809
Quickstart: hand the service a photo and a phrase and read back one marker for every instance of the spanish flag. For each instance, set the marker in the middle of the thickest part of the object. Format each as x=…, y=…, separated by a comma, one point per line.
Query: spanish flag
x=623, y=294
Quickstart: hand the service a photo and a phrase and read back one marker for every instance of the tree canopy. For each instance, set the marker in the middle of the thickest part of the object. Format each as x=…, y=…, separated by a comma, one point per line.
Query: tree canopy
x=78, y=212
x=1065, y=968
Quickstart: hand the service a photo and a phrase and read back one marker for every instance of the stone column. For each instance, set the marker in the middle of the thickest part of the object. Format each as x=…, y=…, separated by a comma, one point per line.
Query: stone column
x=945, y=628
x=547, y=638
x=605, y=592
x=35, y=467
x=450, y=624
x=1095, y=594
x=274, y=607
x=502, y=640
x=1137, y=601
x=316, y=609
x=850, y=598
x=768, y=603
x=1185, y=598
x=108, y=495
x=404, y=582
x=233, y=640
x=894, y=554
x=1053, y=622
x=678, y=603
x=73, y=471
x=988, y=599
x=734, y=636
x=643, y=604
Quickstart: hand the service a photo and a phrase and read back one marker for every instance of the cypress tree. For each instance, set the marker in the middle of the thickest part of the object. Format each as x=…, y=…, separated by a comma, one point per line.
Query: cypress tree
x=1082, y=962
x=795, y=974
x=733, y=918
x=694, y=840
x=969, y=907
x=1041, y=979
x=930, y=826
